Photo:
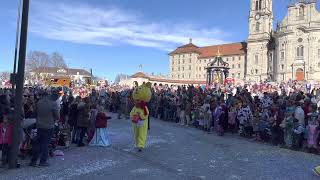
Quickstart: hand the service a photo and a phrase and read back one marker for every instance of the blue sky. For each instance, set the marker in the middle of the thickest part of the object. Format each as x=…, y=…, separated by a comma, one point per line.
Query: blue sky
x=115, y=36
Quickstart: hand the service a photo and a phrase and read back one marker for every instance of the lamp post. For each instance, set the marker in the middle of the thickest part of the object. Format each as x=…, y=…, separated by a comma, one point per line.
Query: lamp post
x=16, y=47
x=16, y=130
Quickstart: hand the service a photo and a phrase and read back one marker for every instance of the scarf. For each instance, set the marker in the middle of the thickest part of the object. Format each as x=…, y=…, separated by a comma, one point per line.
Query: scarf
x=142, y=105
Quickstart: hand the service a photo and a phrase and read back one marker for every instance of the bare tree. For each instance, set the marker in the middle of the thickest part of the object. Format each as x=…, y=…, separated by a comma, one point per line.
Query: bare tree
x=4, y=76
x=37, y=59
x=57, y=60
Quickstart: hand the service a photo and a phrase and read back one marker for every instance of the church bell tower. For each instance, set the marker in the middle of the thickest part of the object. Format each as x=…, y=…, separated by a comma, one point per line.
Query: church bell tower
x=260, y=30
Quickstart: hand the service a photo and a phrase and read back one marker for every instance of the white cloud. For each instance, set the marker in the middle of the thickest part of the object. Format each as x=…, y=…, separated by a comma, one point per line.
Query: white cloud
x=113, y=26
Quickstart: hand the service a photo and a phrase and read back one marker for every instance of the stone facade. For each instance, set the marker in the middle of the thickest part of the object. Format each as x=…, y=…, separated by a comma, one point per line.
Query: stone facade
x=189, y=61
x=298, y=43
x=291, y=51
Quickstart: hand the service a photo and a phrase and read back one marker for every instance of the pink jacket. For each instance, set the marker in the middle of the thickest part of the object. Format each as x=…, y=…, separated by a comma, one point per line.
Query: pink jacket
x=7, y=136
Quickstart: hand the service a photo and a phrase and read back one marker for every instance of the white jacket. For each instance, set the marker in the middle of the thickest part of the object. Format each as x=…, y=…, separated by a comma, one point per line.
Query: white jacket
x=299, y=114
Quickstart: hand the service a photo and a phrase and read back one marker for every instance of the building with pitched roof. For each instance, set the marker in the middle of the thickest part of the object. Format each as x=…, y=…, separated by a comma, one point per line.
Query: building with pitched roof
x=291, y=51
x=190, y=61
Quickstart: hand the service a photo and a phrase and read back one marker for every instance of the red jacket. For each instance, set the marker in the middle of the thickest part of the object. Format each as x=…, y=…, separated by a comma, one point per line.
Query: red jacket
x=101, y=120
x=7, y=136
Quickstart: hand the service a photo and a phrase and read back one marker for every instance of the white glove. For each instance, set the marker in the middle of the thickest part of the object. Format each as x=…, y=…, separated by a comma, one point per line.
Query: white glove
x=140, y=123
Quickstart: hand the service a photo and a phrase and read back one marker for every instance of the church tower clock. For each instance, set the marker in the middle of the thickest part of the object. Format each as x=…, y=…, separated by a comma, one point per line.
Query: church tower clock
x=260, y=29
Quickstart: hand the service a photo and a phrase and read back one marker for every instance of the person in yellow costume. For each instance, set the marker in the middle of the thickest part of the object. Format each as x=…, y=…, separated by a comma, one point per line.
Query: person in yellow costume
x=316, y=170
x=139, y=114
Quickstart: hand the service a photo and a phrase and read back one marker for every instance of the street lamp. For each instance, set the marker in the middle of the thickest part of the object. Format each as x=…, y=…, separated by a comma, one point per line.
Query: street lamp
x=16, y=130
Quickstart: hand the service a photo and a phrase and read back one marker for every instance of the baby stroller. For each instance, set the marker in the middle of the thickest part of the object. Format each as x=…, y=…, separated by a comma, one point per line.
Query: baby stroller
x=31, y=138
x=30, y=134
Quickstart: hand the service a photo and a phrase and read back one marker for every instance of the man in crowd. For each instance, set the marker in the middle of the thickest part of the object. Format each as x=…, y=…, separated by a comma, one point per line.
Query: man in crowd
x=47, y=114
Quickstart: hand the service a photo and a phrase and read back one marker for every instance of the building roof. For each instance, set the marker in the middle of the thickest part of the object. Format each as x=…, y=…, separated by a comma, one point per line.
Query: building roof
x=64, y=71
x=225, y=50
x=212, y=51
x=164, y=80
x=188, y=48
x=139, y=75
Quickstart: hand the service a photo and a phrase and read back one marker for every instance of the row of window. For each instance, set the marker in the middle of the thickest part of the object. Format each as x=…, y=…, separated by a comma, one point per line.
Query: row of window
x=206, y=60
x=299, y=53
x=205, y=75
x=233, y=66
x=238, y=75
x=182, y=68
x=182, y=56
x=258, y=5
x=182, y=76
x=182, y=61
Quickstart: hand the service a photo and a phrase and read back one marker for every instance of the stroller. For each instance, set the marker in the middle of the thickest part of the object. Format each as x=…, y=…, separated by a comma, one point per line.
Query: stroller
x=31, y=138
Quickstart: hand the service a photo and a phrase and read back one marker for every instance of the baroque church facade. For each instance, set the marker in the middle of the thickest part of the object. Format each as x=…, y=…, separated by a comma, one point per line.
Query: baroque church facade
x=291, y=51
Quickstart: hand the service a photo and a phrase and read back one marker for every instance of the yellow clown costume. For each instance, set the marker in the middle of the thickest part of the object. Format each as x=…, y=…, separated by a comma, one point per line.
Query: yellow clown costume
x=139, y=114
x=316, y=170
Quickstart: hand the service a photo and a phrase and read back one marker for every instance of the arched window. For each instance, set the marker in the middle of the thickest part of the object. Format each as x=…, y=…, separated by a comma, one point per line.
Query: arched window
x=257, y=5
x=257, y=27
x=300, y=51
x=301, y=12
x=260, y=4
x=256, y=59
x=282, y=55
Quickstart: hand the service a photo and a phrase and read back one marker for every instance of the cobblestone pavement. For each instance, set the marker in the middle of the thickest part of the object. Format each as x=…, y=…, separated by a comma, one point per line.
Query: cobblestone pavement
x=173, y=152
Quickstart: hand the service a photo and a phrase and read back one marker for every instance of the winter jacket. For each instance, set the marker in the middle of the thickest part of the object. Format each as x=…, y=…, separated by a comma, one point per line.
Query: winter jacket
x=47, y=113
x=5, y=138
x=83, y=115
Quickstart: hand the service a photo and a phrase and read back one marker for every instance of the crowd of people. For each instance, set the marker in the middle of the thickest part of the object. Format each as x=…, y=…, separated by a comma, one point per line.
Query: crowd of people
x=284, y=114
x=52, y=117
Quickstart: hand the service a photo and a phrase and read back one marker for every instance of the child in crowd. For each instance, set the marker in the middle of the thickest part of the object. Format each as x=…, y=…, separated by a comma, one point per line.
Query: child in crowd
x=5, y=138
x=206, y=115
x=298, y=131
x=188, y=112
x=223, y=119
x=255, y=123
x=201, y=118
x=287, y=125
x=312, y=128
x=195, y=117
x=264, y=124
x=245, y=117
x=232, y=119
x=100, y=137
x=216, y=118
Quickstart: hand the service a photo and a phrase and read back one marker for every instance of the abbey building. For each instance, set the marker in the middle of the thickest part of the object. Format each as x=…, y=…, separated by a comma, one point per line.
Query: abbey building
x=290, y=51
